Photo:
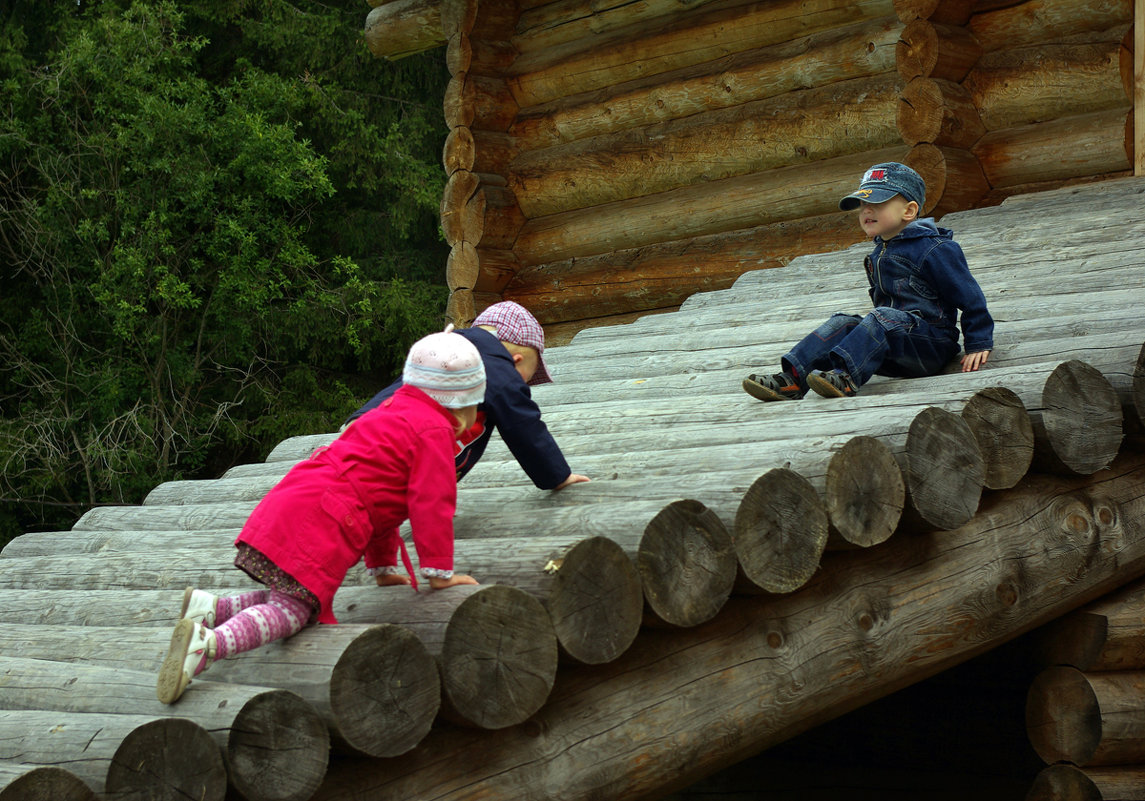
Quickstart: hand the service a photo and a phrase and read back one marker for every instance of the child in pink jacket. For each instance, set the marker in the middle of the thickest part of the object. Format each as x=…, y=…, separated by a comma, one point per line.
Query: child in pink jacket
x=344, y=503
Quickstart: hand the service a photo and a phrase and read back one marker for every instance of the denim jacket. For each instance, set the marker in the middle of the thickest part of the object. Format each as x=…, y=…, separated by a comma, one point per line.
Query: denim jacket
x=923, y=271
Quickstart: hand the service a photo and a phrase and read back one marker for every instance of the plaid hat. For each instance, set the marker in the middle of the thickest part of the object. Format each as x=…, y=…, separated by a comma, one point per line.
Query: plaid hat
x=448, y=368
x=882, y=182
x=515, y=324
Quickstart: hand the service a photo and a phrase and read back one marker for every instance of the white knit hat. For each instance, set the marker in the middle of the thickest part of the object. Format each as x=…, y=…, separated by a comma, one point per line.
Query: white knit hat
x=448, y=368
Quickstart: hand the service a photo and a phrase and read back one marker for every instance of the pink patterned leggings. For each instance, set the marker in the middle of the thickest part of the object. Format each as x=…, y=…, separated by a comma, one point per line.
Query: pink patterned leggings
x=251, y=619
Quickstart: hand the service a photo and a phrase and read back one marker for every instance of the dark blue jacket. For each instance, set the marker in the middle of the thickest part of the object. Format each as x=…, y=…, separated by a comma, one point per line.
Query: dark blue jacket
x=923, y=271
x=509, y=407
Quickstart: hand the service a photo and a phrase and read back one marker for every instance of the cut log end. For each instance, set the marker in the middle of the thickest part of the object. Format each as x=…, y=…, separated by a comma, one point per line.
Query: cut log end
x=944, y=468
x=1063, y=783
x=864, y=493
x=781, y=531
x=1005, y=436
x=1063, y=720
x=687, y=563
x=171, y=753
x=1082, y=418
x=499, y=658
x=596, y=602
x=385, y=692
x=39, y=783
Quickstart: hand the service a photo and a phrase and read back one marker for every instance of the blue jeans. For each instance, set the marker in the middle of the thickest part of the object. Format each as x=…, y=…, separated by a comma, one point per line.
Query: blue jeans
x=886, y=341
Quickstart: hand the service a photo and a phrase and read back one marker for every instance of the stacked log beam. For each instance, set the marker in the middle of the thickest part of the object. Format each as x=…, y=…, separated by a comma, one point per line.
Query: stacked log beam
x=1082, y=711
x=265, y=744
x=120, y=756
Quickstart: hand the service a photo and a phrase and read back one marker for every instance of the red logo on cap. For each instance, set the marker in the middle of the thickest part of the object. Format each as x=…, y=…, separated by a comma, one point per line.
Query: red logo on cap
x=878, y=175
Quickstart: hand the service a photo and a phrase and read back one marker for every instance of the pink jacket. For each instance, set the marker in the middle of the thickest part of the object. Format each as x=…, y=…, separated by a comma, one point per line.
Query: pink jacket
x=348, y=499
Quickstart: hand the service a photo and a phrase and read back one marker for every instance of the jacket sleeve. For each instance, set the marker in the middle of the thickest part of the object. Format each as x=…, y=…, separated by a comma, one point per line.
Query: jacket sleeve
x=955, y=283
x=510, y=407
x=432, y=498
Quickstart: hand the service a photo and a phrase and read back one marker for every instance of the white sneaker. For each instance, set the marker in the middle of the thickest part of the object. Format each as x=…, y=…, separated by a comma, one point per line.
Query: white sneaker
x=199, y=606
x=189, y=642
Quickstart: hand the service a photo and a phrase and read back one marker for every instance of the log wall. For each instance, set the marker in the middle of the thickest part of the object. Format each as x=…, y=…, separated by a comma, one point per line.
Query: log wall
x=616, y=159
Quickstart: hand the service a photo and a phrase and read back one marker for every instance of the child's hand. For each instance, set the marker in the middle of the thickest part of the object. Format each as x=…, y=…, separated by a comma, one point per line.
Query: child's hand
x=457, y=578
x=392, y=580
x=972, y=361
x=572, y=479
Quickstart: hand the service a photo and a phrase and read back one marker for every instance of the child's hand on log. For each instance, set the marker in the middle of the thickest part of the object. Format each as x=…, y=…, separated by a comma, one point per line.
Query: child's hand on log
x=457, y=578
x=972, y=361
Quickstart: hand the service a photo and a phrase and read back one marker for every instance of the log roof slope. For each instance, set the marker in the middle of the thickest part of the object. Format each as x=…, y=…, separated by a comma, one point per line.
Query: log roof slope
x=734, y=574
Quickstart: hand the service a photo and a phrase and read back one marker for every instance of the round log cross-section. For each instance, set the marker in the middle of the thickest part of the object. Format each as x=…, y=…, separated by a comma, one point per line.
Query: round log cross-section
x=170, y=758
x=384, y=691
x=40, y=783
x=1081, y=420
x=1004, y=434
x=596, y=601
x=687, y=563
x=1070, y=783
x=864, y=492
x=944, y=468
x=781, y=531
x=499, y=658
x=1087, y=718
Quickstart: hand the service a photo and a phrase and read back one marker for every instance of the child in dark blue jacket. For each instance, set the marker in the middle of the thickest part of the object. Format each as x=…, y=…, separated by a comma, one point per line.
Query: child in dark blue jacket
x=512, y=345
x=919, y=280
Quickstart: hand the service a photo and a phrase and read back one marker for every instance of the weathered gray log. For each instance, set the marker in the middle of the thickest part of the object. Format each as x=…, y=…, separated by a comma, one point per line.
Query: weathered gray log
x=1087, y=718
x=768, y=668
x=275, y=744
x=24, y=782
x=595, y=602
x=111, y=542
x=1107, y=635
x=174, y=758
x=66, y=607
x=376, y=687
x=1071, y=783
x=177, y=759
x=943, y=470
x=687, y=564
x=780, y=533
x=863, y=493
x=498, y=659
x=1079, y=427
x=1005, y=436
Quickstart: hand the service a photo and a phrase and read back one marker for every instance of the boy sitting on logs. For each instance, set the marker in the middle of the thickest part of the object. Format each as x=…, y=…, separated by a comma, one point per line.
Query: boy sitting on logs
x=918, y=280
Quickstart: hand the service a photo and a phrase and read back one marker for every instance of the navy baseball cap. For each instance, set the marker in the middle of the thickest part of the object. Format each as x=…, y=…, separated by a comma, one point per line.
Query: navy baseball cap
x=882, y=182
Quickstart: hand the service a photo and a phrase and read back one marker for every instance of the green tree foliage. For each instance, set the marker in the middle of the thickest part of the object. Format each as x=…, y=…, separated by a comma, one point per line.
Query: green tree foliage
x=218, y=228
